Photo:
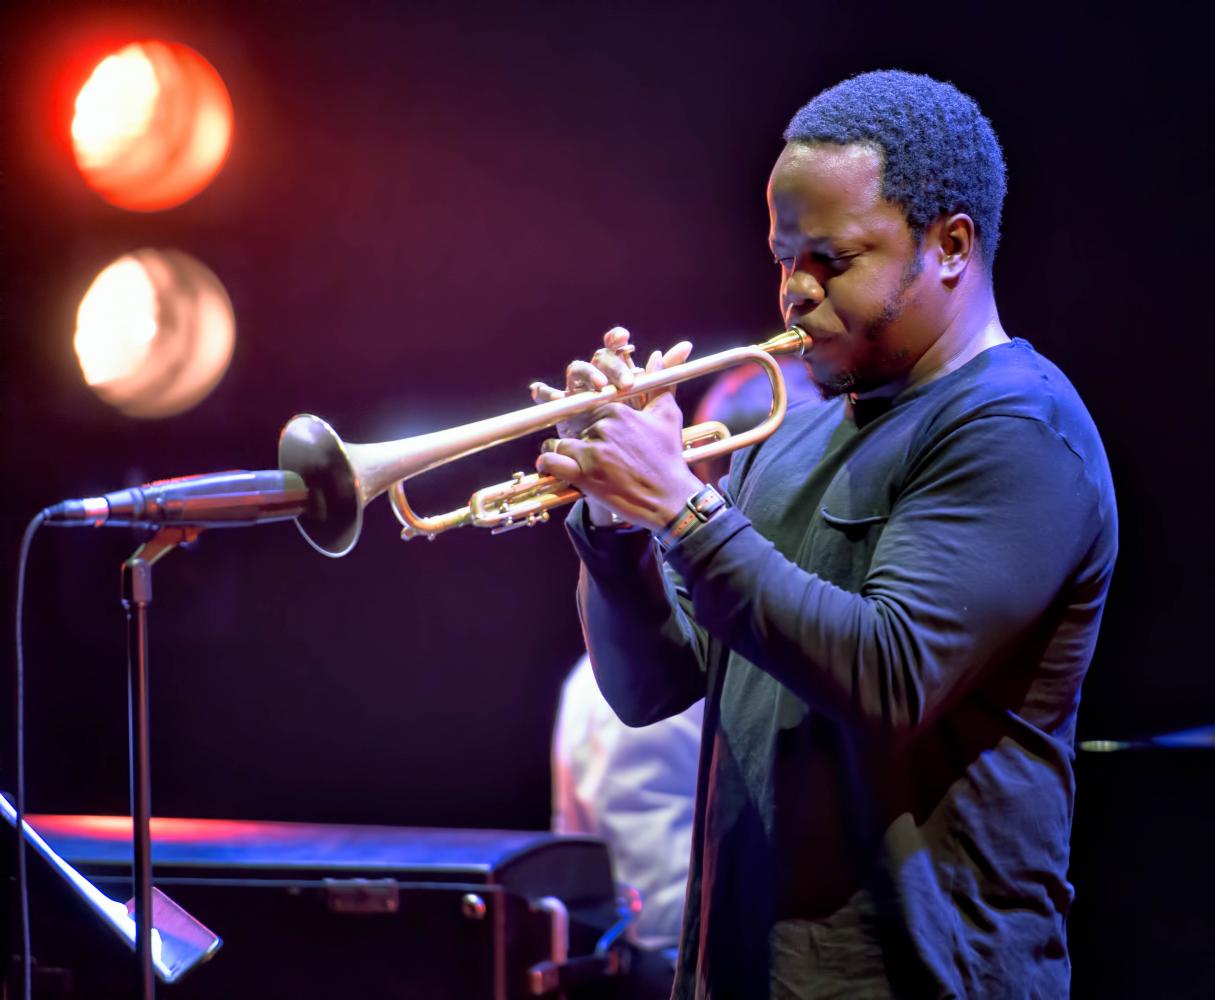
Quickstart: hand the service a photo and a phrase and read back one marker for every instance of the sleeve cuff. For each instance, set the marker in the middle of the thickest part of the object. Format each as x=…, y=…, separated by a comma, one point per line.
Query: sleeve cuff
x=603, y=551
x=692, y=553
x=605, y=547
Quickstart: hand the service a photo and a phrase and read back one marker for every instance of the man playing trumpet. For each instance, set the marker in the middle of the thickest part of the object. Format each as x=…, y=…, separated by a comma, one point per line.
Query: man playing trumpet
x=891, y=607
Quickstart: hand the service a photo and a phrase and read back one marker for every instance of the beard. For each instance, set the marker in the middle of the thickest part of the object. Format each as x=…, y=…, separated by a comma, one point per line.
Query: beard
x=836, y=386
x=877, y=371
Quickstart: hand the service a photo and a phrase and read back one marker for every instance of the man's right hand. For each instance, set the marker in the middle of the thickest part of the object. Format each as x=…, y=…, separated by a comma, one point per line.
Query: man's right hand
x=611, y=365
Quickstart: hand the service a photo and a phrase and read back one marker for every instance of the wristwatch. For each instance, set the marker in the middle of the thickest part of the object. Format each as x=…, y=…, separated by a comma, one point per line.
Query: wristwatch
x=699, y=508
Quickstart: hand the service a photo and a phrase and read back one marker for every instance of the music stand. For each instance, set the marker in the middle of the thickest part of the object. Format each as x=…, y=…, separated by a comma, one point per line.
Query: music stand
x=179, y=942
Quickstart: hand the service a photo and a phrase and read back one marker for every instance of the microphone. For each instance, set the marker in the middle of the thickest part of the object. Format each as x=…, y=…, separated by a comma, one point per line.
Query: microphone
x=218, y=500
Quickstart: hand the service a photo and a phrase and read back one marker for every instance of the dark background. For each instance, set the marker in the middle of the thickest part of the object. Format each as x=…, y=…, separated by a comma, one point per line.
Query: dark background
x=428, y=206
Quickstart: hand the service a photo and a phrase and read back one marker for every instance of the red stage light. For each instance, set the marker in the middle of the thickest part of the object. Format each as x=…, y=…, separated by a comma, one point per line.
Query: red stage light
x=154, y=333
x=152, y=126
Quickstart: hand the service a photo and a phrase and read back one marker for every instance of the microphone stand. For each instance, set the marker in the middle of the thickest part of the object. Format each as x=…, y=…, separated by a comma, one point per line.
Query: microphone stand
x=136, y=596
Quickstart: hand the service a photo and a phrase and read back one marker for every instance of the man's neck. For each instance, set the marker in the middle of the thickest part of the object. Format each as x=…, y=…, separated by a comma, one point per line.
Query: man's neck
x=953, y=349
x=965, y=337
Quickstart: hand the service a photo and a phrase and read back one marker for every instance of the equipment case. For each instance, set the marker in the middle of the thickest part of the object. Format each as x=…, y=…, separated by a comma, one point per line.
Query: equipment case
x=324, y=910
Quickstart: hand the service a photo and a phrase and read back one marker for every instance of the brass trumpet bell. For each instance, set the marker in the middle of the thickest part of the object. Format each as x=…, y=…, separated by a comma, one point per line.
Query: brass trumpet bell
x=333, y=518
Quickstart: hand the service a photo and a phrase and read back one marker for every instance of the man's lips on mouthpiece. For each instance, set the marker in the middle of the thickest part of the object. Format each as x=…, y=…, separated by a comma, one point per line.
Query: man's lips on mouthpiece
x=810, y=331
x=816, y=336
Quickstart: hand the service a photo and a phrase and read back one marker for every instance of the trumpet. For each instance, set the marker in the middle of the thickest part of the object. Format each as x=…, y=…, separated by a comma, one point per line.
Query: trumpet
x=343, y=478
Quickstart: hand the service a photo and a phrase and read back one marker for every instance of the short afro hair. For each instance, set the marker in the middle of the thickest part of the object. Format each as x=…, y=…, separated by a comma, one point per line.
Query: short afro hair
x=939, y=153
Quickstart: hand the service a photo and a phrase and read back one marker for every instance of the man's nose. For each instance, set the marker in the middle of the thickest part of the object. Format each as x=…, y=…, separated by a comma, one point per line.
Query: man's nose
x=802, y=291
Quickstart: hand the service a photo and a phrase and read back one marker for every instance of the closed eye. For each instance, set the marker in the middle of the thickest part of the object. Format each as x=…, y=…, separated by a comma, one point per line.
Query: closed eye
x=833, y=261
x=837, y=263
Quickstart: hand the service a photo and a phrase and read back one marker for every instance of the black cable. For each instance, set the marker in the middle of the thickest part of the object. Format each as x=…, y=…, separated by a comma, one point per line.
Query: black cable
x=23, y=901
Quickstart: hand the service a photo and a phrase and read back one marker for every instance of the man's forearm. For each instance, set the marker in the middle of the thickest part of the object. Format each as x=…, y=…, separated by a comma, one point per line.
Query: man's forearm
x=647, y=655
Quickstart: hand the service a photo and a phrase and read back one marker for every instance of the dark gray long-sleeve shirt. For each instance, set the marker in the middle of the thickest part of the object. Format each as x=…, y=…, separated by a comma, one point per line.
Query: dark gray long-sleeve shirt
x=890, y=628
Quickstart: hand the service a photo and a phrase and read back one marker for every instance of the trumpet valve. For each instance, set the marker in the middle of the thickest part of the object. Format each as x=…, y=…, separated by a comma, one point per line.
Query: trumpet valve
x=510, y=524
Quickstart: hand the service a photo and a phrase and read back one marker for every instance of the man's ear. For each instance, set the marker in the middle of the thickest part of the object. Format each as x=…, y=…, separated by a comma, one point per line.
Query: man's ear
x=954, y=245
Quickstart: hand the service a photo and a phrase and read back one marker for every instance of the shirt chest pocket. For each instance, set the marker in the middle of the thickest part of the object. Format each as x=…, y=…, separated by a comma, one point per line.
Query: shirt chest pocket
x=853, y=528
x=841, y=544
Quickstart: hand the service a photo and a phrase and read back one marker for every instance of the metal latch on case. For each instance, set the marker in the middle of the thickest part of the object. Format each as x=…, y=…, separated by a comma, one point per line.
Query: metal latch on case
x=362, y=895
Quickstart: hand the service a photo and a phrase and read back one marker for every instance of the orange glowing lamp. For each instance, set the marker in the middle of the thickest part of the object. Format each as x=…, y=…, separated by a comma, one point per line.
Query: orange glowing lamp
x=154, y=333
x=152, y=126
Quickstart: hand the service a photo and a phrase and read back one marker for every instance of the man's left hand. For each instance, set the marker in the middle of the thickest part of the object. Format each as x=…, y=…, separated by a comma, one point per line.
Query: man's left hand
x=631, y=460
